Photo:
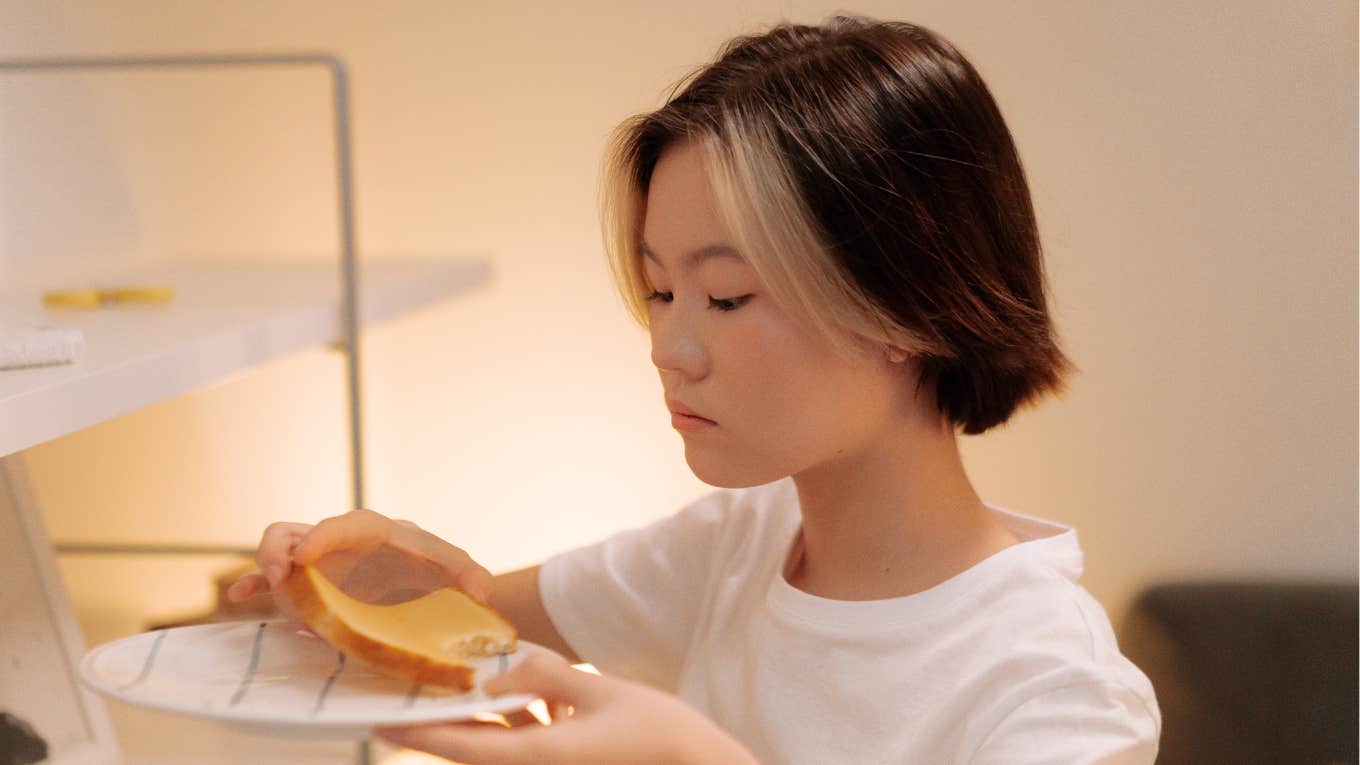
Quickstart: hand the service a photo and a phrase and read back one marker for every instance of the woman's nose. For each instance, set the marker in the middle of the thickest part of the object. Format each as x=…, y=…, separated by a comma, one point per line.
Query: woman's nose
x=677, y=346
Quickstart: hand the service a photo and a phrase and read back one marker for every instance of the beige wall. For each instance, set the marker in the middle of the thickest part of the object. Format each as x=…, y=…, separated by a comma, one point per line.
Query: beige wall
x=1194, y=166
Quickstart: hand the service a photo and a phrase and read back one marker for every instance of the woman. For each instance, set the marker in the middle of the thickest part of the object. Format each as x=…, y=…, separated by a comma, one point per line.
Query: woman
x=828, y=234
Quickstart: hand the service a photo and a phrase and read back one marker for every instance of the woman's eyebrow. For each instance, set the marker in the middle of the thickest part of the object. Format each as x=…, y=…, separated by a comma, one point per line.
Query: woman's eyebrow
x=694, y=258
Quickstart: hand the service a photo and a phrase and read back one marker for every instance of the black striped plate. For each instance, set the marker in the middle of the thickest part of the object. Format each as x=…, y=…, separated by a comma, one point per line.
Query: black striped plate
x=270, y=677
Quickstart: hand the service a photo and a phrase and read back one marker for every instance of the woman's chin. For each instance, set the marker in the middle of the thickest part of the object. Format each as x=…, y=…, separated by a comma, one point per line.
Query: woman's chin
x=727, y=473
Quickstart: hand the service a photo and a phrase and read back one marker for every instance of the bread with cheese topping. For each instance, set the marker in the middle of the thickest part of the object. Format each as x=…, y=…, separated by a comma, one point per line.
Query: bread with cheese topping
x=426, y=640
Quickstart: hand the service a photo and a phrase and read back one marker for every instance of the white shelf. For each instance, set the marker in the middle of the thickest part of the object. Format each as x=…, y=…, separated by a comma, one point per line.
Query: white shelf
x=224, y=319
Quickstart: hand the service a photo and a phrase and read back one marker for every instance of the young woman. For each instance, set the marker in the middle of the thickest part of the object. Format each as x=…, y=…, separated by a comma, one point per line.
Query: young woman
x=828, y=234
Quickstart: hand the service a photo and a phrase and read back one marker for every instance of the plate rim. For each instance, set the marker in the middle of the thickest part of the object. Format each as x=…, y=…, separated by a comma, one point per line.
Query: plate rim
x=248, y=717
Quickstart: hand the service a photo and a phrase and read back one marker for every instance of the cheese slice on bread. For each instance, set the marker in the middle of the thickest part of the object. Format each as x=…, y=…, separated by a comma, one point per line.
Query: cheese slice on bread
x=427, y=640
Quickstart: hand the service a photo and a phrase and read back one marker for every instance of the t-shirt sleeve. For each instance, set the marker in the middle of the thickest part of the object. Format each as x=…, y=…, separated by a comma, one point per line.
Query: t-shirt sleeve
x=630, y=603
x=1089, y=723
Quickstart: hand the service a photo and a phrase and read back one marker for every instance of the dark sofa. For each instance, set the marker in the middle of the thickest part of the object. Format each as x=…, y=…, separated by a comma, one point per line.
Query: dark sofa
x=1250, y=672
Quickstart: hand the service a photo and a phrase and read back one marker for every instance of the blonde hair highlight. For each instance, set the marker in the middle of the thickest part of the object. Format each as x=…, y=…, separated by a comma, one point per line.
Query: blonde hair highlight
x=770, y=224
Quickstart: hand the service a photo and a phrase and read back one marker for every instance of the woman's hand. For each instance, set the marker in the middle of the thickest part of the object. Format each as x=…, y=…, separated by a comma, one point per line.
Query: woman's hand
x=370, y=556
x=596, y=720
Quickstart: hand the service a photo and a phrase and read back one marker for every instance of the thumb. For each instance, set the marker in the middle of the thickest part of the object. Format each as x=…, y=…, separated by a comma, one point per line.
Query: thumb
x=548, y=677
x=475, y=581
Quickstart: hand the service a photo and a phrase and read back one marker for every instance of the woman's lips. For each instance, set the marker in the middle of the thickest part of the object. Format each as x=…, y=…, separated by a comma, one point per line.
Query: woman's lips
x=690, y=422
x=684, y=418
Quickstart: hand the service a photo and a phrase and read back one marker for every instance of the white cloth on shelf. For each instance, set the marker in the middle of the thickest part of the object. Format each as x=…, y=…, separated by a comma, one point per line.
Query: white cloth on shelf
x=36, y=347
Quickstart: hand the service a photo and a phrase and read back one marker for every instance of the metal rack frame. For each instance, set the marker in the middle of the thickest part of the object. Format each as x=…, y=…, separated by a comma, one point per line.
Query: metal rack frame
x=344, y=197
x=349, y=345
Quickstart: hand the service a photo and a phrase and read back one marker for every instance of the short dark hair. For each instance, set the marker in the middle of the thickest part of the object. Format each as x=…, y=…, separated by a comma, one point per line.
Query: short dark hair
x=871, y=181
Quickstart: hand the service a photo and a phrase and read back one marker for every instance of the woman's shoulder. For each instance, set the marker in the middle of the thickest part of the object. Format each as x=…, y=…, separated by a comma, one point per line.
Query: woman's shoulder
x=1048, y=643
x=1030, y=598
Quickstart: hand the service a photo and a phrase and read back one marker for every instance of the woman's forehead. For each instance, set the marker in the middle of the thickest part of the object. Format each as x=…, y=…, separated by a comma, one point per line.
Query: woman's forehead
x=681, y=217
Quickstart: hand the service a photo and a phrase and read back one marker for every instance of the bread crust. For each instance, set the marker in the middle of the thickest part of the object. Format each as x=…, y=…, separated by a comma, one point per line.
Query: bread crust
x=421, y=668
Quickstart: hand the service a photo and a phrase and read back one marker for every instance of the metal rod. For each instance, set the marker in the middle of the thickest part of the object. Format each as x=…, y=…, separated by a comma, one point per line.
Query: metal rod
x=349, y=286
x=133, y=62
x=135, y=548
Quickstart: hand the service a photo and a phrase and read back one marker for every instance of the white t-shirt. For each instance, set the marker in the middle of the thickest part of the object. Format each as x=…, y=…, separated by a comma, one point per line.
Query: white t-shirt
x=1010, y=662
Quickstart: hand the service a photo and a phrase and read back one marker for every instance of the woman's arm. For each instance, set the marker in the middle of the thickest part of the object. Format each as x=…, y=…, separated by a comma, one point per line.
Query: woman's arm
x=597, y=721
x=515, y=594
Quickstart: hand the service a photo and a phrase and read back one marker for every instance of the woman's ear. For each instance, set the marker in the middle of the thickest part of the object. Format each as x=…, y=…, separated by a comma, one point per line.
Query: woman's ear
x=896, y=355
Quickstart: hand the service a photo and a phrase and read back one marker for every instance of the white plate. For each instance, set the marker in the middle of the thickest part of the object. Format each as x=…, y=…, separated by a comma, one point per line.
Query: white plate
x=270, y=677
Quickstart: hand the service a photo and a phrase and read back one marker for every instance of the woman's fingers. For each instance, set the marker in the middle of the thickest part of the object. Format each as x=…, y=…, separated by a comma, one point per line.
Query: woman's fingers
x=367, y=554
x=466, y=573
x=519, y=718
x=550, y=678
x=275, y=553
x=475, y=581
x=359, y=530
x=558, y=710
x=482, y=743
x=246, y=586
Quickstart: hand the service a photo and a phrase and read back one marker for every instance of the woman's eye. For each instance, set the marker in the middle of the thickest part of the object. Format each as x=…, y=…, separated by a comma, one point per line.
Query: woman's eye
x=728, y=304
x=664, y=297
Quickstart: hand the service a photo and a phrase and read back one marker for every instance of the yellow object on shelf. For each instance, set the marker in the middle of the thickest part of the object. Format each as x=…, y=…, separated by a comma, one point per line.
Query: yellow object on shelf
x=72, y=298
x=144, y=294
x=94, y=298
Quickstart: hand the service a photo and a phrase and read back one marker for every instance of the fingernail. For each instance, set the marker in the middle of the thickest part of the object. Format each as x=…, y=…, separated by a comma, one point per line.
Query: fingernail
x=274, y=573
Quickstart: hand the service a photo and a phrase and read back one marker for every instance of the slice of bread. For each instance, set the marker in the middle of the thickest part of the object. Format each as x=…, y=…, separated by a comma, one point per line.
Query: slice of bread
x=427, y=640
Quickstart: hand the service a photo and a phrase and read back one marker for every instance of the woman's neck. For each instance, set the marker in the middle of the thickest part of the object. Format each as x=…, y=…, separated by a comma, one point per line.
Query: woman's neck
x=894, y=520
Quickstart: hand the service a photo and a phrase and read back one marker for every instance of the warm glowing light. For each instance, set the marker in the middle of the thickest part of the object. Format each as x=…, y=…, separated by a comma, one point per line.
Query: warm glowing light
x=491, y=717
x=539, y=709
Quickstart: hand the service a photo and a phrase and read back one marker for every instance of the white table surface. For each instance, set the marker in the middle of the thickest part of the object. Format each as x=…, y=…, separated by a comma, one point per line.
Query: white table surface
x=225, y=318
